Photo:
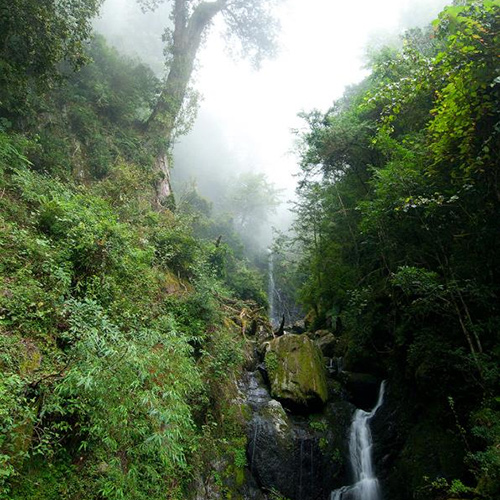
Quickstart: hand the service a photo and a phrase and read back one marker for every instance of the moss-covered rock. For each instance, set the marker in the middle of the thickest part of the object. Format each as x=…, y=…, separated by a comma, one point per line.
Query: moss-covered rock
x=296, y=372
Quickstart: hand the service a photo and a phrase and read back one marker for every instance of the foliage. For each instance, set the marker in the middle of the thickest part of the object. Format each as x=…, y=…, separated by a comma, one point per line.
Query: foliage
x=250, y=27
x=397, y=220
x=117, y=350
x=100, y=109
x=234, y=258
x=36, y=36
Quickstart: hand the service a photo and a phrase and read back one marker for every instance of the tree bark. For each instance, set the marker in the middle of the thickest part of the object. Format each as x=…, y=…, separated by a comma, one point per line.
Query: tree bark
x=163, y=188
x=187, y=37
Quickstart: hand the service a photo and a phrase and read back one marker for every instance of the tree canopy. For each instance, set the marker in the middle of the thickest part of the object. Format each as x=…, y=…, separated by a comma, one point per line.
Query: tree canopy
x=35, y=37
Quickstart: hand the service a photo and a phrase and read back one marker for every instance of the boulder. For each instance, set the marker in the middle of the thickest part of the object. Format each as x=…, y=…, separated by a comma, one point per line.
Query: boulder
x=298, y=327
x=297, y=373
x=300, y=457
x=327, y=345
x=317, y=334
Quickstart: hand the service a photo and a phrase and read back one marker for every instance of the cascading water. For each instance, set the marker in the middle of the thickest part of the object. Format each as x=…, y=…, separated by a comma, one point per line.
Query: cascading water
x=365, y=485
x=271, y=287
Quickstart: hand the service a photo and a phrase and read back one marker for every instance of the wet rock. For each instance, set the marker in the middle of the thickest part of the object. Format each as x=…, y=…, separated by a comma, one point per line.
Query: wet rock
x=296, y=373
x=254, y=391
x=334, y=366
x=327, y=345
x=387, y=442
x=261, y=367
x=300, y=457
x=262, y=349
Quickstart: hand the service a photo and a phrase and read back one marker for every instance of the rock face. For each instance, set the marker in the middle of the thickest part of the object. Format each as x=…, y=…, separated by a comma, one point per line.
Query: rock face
x=300, y=457
x=326, y=341
x=327, y=344
x=298, y=327
x=242, y=485
x=296, y=373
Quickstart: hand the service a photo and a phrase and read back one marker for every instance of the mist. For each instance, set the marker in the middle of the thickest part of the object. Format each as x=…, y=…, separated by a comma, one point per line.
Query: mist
x=246, y=116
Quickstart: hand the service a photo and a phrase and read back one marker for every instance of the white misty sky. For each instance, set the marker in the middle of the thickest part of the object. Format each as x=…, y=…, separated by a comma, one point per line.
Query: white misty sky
x=323, y=43
x=323, y=46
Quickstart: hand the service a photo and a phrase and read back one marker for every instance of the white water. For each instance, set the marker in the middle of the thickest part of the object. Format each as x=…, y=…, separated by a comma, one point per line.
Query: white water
x=271, y=287
x=365, y=485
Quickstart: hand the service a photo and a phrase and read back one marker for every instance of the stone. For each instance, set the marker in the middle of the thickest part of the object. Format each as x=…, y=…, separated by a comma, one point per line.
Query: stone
x=297, y=373
x=299, y=457
x=317, y=334
x=327, y=344
x=298, y=327
x=225, y=480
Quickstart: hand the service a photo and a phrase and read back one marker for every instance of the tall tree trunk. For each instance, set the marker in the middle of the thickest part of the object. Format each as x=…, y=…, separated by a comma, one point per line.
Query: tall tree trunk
x=160, y=126
x=163, y=187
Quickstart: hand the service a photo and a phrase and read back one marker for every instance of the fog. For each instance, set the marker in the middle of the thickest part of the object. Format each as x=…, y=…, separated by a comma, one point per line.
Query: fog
x=245, y=118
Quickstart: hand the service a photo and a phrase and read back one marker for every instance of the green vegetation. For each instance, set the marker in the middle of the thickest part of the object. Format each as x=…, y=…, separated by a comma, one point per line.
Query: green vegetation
x=124, y=314
x=35, y=38
x=398, y=225
x=119, y=348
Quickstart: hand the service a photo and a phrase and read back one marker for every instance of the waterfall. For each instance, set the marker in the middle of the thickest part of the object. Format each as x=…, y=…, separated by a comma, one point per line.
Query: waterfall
x=365, y=485
x=255, y=433
x=340, y=364
x=271, y=287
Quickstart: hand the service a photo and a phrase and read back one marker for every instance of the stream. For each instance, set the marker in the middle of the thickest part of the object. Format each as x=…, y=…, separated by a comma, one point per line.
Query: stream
x=271, y=288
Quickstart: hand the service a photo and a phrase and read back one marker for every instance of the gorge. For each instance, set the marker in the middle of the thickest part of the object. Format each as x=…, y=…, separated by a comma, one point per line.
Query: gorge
x=140, y=357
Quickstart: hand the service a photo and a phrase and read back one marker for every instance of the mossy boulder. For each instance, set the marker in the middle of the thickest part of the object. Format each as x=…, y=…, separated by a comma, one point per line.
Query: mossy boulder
x=297, y=373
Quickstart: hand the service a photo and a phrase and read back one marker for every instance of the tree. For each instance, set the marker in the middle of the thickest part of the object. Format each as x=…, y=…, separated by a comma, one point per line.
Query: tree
x=35, y=37
x=398, y=211
x=251, y=200
x=249, y=22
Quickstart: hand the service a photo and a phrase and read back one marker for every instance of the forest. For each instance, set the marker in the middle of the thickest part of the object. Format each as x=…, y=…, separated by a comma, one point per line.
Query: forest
x=141, y=350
